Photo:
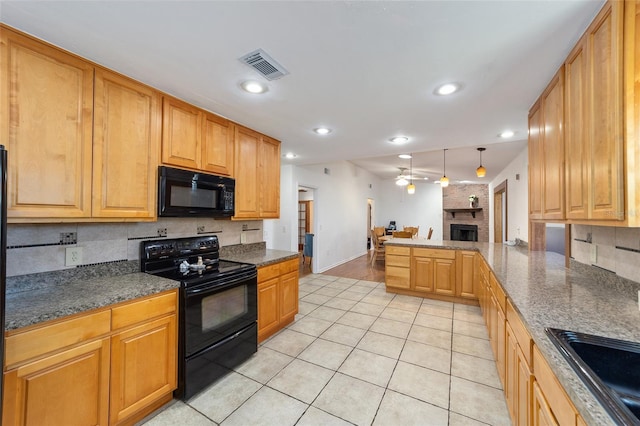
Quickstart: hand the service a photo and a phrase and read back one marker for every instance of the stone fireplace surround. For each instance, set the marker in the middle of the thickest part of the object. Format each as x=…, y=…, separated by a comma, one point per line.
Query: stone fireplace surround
x=456, y=196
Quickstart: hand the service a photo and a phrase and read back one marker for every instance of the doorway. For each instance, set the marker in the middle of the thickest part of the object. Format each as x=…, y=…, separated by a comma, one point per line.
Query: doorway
x=500, y=213
x=369, y=221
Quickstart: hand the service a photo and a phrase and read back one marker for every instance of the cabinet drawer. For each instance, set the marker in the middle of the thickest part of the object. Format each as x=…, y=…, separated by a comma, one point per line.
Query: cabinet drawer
x=439, y=253
x=288, y=266
x=266, y=273
x=395, y=260
x=400, y=251
x=498, y=292
x=519, y=331
x=36, y=342
x=144, y=310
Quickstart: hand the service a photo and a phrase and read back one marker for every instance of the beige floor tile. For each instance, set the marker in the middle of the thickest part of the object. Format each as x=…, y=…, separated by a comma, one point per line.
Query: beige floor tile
x=397, y=409
x=355, y=319
x=398, y=315
x=289, y=342
x=316, y=417
x=351, y=295
x=436, y=310
x=381, y=344
x=360, y=289
x=328, y=291
x=305, y=307
x=263, y=365
x=391, y=327
x=405, y=306
x=432, y=321
x=474, y=317
x=350, y=399
x=338, y=284
x=430, y=336
x=421, y=383
x=365, y=283
x=301, y=380
x=367, y=366
x=456, y=419
x=412, y=300
x=344, y=334
x=315, y=298
x=311, y=326
x=326, y=354
x=338, y=303
x=259, y=410
x=427, y=356
x=378, y=299
x=178, y=413
x=479, y=402
x=327, y=313
x=472, y=346
x=437, y=302
x=367, y=308
x=470, y=329
x=475, y=369
x=222, y=398
x=346, y=280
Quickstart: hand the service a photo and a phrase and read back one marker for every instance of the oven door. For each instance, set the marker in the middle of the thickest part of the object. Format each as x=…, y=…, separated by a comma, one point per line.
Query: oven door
x=218, y=309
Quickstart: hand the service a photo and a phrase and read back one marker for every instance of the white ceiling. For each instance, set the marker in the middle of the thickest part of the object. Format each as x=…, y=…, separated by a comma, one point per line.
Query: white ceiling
x=366, y=69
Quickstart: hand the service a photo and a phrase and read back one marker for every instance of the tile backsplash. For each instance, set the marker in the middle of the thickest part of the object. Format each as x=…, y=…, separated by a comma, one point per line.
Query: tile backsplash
x=616, y=249
x=38, y=247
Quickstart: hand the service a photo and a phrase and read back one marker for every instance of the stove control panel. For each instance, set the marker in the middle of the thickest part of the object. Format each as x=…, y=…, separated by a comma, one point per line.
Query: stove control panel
x=178, y=247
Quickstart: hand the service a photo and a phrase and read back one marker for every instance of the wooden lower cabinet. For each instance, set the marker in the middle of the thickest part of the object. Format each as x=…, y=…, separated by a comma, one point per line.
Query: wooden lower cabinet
x=433, y=271
x=398, y=267
x=111, y=366
x=542, y=415
x=277, y=297
x=465, y=274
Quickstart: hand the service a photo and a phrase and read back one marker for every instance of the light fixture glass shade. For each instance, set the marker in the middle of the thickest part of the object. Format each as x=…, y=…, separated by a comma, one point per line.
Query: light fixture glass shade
x=402, y=182
x=411, y=189
x=481, y=171
x=444, y=181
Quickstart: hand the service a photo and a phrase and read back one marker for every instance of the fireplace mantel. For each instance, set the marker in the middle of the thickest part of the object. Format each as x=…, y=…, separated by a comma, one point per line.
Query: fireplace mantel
x=464, y=210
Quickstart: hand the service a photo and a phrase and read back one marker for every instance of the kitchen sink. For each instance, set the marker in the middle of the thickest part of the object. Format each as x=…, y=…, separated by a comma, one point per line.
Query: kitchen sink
x=609, y=367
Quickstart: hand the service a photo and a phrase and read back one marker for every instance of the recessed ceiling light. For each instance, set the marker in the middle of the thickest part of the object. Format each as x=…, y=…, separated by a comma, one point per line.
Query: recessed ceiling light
x=447, y=89
x=399, y=140
x=405, y=156
x=290, y=155
x=255, y=87
x=507, y=134
x=322, y=130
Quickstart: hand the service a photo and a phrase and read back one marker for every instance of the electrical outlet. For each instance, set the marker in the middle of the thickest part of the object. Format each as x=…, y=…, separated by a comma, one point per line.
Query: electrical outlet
x=200, y=229
x=594, y=254
x=73, y=256
x=243, y=238
x=162, y=232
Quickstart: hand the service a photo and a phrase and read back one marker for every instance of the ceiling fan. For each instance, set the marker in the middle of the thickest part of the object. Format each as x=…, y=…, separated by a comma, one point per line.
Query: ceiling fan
x=402, y=179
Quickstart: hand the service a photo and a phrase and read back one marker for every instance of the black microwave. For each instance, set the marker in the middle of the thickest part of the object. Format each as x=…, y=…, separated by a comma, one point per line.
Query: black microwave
x=184, y=193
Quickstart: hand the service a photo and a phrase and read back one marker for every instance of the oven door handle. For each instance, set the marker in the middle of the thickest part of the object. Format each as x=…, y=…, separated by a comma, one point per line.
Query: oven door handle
x=223, y=284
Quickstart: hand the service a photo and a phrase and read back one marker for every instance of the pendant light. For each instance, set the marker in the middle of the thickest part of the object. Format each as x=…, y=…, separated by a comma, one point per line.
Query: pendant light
x=411, y=188
x=481, y=171
x=444, y=180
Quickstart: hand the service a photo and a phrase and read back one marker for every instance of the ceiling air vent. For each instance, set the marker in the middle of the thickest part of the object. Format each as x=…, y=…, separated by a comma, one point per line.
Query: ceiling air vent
x=264, y=64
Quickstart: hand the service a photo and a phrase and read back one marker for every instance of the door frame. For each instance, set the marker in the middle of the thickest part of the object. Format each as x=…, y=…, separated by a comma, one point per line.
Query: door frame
x=498, y=224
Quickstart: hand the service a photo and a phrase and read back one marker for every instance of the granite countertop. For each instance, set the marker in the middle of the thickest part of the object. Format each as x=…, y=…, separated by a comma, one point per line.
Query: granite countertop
x=547, y=294
x=41, y=297
x=261, y=257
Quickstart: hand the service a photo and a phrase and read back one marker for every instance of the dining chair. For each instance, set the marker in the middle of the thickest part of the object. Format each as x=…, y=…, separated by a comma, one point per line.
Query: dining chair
x=378, y=248
x=402, y=234
x=413, y=230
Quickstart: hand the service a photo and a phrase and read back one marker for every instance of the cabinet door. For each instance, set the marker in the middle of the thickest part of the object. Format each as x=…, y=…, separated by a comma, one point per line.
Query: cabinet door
x=445, y=276
x=268, y=309
x=144, y=366
x=535, y=162
x=68, y=388
x=523, y=396
x=46, y=124
x=606, y=140
x=465, y=274
x=422, y=274
x=269, y=178
x=501, y=344
x=125, y=147
x=217, y=145
x=247, y=149
x=575, y=133
x=542, y=415
x=553, y=148
x=181, y=133
x=288, y=297
x=511, y=374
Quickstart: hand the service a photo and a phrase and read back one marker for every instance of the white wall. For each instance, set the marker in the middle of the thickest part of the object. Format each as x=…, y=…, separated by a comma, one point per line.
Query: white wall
x=517, y=198
x=423, y=209
x=281, y=234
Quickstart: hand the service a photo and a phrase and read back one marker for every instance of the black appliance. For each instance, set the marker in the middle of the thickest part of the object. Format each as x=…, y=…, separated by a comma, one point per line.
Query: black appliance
x=218, y=307
x=3, y=256
x=184, y=193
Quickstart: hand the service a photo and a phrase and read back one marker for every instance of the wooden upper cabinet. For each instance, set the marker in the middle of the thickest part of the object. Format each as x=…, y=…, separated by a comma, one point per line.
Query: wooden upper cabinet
x=535, y=162
x=217, y=145
x=46, y=124
x=604, y=113
x=553, y=148
x=125, y=148
x=270, y=178
x=181, y=133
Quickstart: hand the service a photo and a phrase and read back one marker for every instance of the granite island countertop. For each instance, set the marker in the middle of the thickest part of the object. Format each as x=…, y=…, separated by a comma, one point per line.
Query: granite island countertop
x=261, y=257
x=547, y=294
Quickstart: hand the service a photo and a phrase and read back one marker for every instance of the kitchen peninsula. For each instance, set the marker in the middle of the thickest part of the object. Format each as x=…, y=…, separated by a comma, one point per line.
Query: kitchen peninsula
x=521, y=293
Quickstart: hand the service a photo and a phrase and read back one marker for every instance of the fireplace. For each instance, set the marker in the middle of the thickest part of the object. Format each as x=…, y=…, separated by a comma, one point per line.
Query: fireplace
x=464, y=232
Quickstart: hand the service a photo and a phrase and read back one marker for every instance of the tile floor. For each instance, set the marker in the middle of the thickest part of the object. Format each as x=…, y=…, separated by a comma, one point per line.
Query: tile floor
x=359, y=355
